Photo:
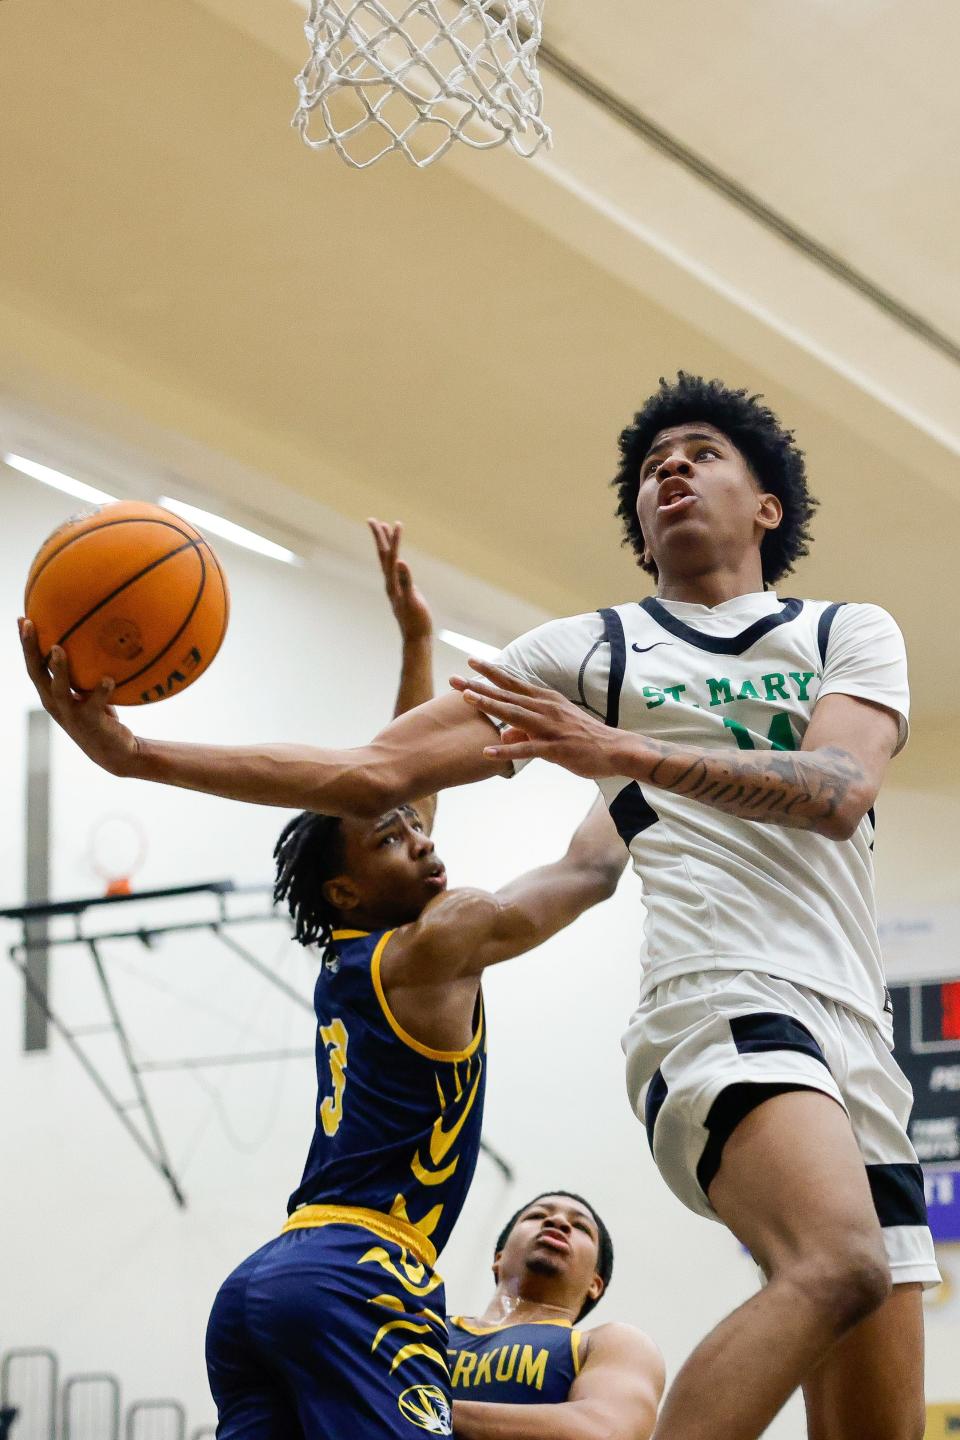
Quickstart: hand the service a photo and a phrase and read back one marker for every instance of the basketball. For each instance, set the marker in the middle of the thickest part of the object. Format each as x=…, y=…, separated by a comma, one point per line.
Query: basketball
x=133, y=592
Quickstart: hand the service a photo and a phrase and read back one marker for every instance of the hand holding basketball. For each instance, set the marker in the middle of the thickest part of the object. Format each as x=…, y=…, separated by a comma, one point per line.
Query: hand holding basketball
x=89, y=720
x=131, y=591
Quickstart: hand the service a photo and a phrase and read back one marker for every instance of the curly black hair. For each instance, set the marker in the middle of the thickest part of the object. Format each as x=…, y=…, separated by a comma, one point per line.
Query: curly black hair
x=604, y=1248
x=767, y=447
x=309, y=852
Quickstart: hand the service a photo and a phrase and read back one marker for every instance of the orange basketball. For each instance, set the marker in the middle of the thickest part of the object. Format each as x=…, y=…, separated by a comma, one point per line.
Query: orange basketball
x=133, y=592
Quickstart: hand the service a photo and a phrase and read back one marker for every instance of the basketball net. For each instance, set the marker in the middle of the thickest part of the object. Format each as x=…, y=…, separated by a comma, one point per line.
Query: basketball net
x=116, y=849
x=417, y=75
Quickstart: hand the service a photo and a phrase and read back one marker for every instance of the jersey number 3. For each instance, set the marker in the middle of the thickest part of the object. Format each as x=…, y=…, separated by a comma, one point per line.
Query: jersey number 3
x=334, y=1036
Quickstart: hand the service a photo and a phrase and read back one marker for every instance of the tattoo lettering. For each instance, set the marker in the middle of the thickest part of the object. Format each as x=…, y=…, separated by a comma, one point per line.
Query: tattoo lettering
x=804, y=791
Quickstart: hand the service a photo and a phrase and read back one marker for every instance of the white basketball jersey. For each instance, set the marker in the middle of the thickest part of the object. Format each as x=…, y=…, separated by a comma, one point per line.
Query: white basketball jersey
x=723, y=893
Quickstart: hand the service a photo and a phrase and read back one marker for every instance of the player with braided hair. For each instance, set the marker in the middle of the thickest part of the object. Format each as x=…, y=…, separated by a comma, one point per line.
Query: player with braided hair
x=310, y=849
x=308, y=853
x=335, y=1328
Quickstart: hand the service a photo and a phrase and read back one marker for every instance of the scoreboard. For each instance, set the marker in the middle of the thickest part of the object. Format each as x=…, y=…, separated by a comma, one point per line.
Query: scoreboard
x=926, y=1026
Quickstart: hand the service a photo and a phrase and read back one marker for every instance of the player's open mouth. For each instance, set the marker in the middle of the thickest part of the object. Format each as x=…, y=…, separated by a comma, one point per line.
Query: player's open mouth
x=675, y=497
x=437, y=879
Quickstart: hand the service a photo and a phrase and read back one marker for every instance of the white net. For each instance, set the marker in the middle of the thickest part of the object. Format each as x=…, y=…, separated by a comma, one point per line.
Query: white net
x=417, y=75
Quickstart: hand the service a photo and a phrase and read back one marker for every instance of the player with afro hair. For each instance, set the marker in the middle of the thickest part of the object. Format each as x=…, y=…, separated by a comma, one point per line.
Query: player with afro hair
x=769, y=449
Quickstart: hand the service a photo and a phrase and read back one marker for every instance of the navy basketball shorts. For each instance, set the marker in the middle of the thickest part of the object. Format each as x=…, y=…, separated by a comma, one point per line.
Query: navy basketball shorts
x=705, y=1049
x=330, y=1333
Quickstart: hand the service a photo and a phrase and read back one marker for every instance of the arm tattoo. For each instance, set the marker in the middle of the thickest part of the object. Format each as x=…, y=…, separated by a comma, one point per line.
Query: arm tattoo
x=803, y=790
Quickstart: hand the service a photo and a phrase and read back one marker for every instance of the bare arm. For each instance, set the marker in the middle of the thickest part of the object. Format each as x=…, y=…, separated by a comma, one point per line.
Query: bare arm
x=469, y=930
x=615, y=1397
x=542, y=902
x=828, y=785
x=416, y=676
x=415, y=623
x=431, y=748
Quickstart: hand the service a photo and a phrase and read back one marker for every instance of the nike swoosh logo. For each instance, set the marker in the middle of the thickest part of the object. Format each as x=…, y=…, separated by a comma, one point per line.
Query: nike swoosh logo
x=642, y=649
x=441, y=1140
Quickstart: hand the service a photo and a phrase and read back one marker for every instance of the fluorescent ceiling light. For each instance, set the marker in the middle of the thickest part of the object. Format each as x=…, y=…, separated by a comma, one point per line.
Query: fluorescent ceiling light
x=216, y=524
x=478, y=648
x=58, y=480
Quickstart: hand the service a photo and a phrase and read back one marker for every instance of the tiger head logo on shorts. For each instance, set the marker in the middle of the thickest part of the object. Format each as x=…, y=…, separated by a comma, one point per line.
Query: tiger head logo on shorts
x=428, y=1408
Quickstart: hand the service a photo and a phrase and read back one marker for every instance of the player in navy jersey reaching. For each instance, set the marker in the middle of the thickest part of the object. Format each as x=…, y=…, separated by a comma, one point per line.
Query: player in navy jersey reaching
x=740, y=742
x=525, y=1368
x=335, y=1329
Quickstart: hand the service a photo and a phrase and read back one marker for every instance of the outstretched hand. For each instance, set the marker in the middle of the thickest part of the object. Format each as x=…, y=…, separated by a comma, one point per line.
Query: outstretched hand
x=90, y=720
x=409, y=607
x=539, y=723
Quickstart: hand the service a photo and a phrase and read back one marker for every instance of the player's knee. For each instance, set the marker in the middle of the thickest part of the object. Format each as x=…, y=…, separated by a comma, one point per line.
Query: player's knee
x=847, y=1281
x=859, y=1284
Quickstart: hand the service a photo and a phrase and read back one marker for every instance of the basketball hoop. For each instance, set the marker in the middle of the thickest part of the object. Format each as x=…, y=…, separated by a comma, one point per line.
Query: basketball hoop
x=417, y=75
x=116, y=850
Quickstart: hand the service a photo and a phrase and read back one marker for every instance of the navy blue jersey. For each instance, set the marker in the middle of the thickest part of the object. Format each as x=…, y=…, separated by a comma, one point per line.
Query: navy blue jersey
x=397, y=1124
x=533, y=1363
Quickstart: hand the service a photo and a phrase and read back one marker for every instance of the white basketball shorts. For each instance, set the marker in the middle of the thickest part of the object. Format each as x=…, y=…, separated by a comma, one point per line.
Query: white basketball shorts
x=697, y=1036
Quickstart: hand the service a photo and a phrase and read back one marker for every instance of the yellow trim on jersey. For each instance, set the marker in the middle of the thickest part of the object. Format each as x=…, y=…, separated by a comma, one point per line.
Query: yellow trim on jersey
x=575, y=1337
x=391, y=1325
x=442, y=1140
x=393, y=1302
x=432, y=1177
x=429, y=1352
x=449, y=1056
x=349, y=934
x=385, y=1227
x=472, y=1328
x=411, y=1273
